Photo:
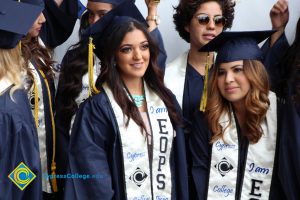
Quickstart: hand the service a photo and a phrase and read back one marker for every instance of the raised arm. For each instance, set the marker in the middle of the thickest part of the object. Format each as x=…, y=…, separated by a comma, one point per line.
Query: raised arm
x=279, y=15
x=61, y=16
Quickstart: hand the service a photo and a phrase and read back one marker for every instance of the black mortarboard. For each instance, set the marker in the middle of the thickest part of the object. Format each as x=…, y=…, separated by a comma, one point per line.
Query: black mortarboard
x=113, y=18
x=113, y=2
x=233, y=46
x=15, y=21
x=124, y=12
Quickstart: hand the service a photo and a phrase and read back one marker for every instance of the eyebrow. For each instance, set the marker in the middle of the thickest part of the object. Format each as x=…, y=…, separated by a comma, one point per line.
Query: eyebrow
x=238, y=65
x=208, y=14
x=146, y=41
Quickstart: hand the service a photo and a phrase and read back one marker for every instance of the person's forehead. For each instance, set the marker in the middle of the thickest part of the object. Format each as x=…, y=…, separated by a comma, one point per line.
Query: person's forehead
x=94, y=6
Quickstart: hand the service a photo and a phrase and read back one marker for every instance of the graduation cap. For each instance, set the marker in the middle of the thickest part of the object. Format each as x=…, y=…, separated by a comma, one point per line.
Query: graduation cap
x=113, y=2
x=233, y=46
x=241, y=45
x=11, y=13
x=124, y=12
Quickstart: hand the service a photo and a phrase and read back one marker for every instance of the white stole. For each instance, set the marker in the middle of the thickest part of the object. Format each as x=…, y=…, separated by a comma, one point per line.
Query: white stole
x=259, y=163
x=143, y=180
x=41, y=129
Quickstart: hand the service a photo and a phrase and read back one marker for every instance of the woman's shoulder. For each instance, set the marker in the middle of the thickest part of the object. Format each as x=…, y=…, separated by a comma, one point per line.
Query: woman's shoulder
x=98, y=102
x=16, y=107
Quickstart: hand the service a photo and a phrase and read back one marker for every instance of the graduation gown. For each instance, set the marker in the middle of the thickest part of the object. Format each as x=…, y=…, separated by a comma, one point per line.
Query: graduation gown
x=201, y=150
x=95, y=148
x=272, y=57
x=289, y=152
x=60, y=22
x=46, y=114
x=18, y=143
x=62, y=130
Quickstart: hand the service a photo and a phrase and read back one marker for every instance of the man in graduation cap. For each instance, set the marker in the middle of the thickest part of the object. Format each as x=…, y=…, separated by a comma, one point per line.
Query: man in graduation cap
x=234, y=143
x=20, y=167
x=79, y=73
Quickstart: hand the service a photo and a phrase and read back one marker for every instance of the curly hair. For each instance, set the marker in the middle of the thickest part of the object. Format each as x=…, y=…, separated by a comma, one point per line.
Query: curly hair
x=186, y=9
x=42, y=56
x=256, y=102
x=153, y=75
x=73, y=67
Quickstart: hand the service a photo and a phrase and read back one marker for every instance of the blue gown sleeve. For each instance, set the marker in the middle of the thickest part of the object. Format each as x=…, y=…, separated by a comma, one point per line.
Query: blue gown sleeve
x=179, y=160
x=272, y=57
x=60, y=22
x=289, y=151
x=201, y=152
x=18, y=143
x=162, y=56
x=88, y=151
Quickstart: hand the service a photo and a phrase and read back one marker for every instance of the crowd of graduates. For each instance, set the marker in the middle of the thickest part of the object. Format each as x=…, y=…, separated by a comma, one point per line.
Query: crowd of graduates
x=221, y=121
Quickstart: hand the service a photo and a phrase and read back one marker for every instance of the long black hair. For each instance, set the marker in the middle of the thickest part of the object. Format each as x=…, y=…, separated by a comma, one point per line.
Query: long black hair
x=153, y=75
x=73, y=67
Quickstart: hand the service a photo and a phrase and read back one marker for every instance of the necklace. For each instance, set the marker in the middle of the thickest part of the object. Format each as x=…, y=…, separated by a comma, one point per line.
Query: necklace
x=138, y=100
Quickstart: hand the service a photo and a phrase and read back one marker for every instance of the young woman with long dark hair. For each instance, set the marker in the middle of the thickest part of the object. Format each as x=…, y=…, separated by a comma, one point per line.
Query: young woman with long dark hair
x=128, y=137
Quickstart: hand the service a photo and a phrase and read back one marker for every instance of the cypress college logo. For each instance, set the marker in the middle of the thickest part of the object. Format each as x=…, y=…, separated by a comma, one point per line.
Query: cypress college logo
x=22, y=176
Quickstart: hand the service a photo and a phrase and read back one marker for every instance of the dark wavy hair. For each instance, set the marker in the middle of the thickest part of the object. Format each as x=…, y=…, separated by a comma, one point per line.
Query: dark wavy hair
x=290, y=70
x=153, y=75
x=41, y=56
x=186, y=9
x=73, y=67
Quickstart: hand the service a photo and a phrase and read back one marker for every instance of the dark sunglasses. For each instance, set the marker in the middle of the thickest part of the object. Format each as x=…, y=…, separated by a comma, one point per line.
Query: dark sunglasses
x=204, y=19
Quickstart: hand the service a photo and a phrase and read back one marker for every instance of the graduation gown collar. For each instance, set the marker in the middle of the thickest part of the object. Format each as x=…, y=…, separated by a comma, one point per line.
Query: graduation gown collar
x=176, y=70
x=4, y=84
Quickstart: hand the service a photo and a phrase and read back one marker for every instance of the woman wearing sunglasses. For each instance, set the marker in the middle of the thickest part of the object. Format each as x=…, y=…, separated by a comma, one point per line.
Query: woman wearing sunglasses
x=197, y=22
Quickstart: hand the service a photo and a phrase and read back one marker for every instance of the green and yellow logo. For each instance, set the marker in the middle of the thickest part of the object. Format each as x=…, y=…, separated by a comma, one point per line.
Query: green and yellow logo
x=22, y=176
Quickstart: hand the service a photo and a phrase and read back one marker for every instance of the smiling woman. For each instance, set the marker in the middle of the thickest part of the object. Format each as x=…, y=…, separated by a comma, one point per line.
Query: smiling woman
x=122, y=118
x=239, y=125
x=133, y=56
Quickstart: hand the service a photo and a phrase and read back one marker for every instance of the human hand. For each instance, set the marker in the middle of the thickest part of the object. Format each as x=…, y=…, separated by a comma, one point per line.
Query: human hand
x=152, y=5
x=279, y=15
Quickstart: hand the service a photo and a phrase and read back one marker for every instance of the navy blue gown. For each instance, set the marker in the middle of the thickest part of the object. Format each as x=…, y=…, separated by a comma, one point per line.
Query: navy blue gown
x=289, y=151
x=60, y=22
x=62, y=128
x=18, y=143
x=95, y=148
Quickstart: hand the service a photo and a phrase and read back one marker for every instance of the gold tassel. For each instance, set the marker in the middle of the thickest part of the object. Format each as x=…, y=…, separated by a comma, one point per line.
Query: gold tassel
x=204, y=93
x=53, y=180
x=53, y=164
x=20, y=45
x=92, y=87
